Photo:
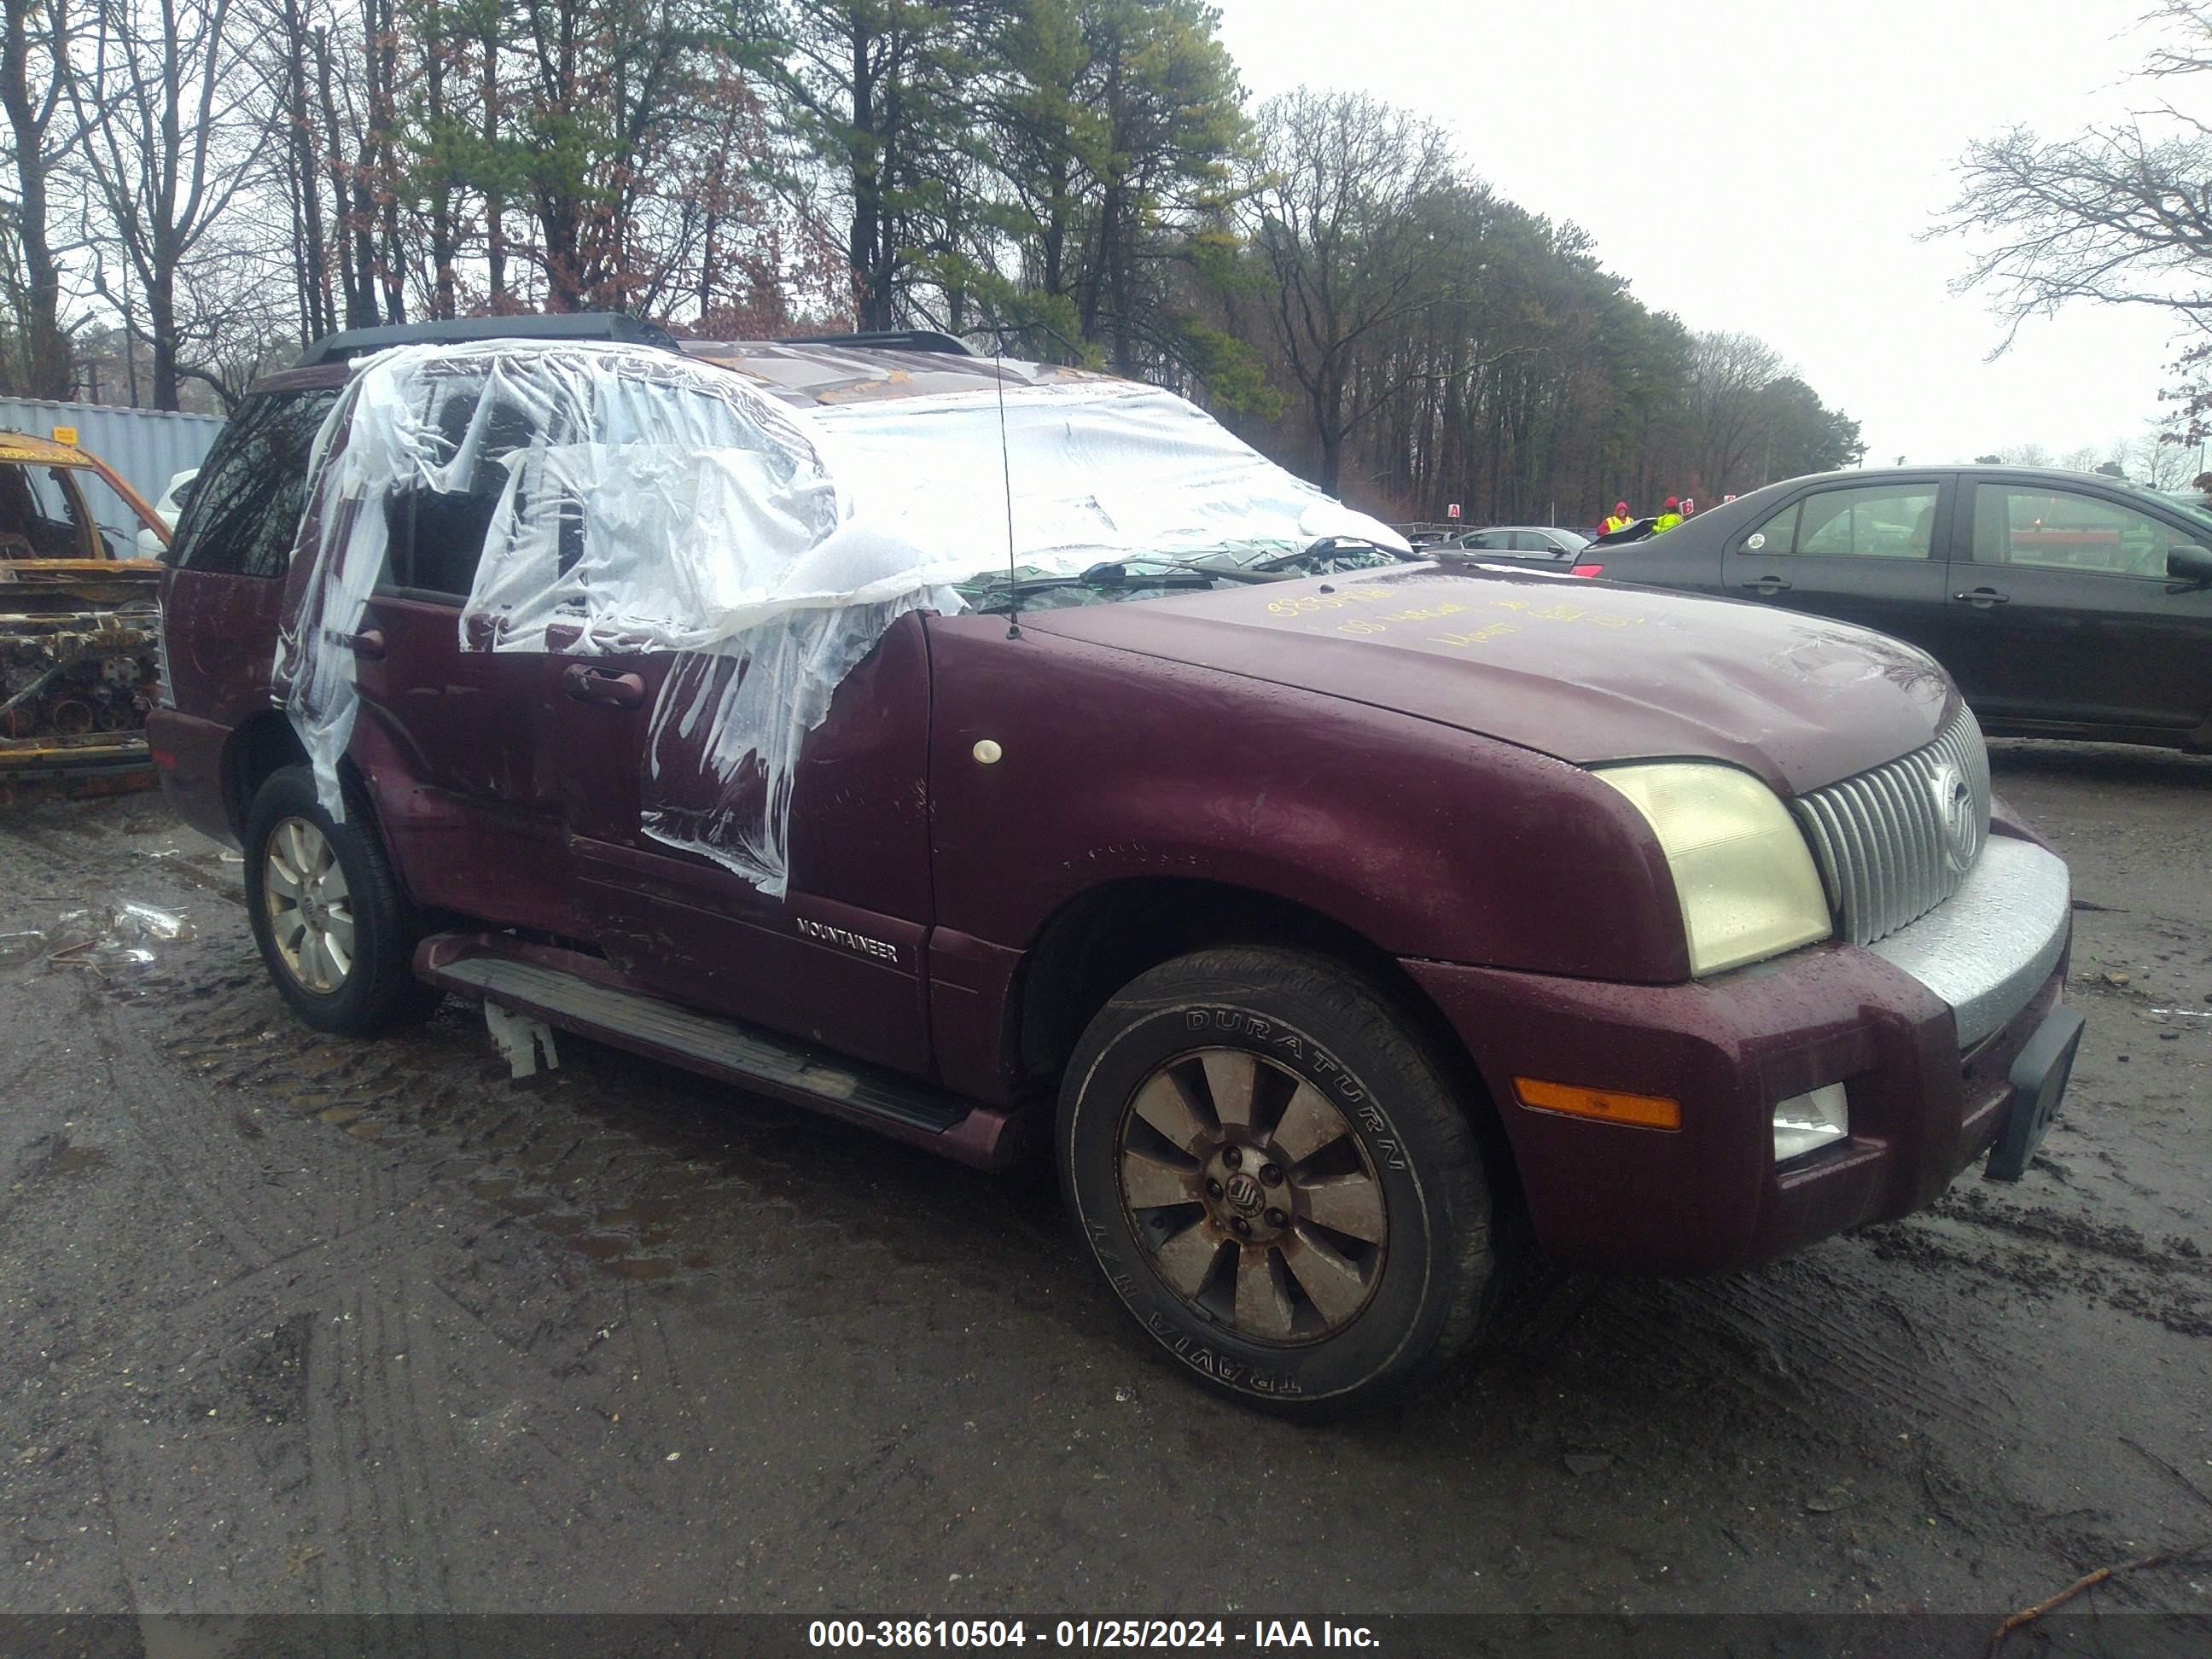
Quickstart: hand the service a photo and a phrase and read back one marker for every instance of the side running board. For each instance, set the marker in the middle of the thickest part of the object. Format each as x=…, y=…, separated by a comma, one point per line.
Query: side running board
x=582, y=993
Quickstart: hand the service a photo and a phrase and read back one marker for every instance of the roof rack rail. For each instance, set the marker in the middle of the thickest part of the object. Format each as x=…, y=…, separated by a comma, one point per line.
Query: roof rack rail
x=609, y=325
x=889, y=339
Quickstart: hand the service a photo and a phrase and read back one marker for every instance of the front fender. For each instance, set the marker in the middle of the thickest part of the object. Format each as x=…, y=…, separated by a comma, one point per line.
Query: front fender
x=1427, y=841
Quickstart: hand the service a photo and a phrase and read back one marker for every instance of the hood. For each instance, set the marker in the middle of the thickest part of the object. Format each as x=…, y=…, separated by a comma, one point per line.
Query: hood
x=1585, y=670
x=42, y=586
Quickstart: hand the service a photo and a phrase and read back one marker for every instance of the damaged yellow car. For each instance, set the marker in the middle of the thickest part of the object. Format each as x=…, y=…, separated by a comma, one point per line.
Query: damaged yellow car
x=80, y=618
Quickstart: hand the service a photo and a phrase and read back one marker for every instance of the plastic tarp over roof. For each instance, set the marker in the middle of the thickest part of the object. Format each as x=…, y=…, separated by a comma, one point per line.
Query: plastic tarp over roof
x=634, y=501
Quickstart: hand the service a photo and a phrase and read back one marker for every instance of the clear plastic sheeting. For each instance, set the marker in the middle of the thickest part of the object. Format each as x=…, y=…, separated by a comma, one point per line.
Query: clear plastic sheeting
x=626, y=502
x=631, y=501
x=105, y=937
x=1101, y=470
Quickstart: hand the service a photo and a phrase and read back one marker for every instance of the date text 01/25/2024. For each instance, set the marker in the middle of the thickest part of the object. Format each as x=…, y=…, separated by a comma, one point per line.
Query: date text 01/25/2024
x=985, y=1635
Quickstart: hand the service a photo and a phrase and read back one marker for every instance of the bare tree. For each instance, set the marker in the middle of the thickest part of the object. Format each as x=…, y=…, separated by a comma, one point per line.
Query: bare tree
x=33, y=51
x=170, y=147
x=288, y=71
x=2163, y=460
x=2117, y=215
x=1728, y=374
x=1340, y=212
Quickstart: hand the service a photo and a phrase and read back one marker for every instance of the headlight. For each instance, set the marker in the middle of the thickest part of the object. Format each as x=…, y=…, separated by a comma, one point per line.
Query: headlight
x=1742, y=868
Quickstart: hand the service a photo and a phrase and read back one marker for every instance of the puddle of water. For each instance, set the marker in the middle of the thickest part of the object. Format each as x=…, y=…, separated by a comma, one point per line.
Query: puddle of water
x=77, y=1160
x=339, y=1114
x=643, y=1266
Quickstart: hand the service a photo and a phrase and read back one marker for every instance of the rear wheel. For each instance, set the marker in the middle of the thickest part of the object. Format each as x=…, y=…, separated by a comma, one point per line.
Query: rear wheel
x=1272, y=1170
x=336, y=933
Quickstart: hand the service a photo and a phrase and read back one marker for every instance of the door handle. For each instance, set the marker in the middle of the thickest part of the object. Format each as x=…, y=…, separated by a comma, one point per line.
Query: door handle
x=369, y=643
x=1765, y=585
x=1983, y=598
x=587, y=684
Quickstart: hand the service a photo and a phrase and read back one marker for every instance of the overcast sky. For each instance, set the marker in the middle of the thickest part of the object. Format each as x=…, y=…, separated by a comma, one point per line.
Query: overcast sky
x=1766, y=166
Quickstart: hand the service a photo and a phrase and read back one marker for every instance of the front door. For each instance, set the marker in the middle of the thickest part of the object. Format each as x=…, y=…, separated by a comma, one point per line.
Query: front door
x=2065, y=616
x=1869, y=554
x=838, y=959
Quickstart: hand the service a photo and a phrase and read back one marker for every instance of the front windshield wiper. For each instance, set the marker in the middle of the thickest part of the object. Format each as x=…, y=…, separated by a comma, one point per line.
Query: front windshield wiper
x=1114, y=573
x=1153, y=572
x=1138, y=572
x=999, y=592
x=1326, y=557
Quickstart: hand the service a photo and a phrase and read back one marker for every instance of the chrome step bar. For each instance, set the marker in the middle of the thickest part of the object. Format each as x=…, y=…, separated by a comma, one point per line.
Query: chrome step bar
x=582, y=993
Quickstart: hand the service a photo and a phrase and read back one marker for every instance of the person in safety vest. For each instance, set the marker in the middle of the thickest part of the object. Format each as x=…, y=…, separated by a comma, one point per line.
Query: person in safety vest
x=1619, y=518
x=1668, y=519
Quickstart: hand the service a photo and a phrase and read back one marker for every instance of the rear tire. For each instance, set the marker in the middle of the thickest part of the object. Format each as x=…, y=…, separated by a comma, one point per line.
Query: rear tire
x=1270, y=1167
x=336, y=933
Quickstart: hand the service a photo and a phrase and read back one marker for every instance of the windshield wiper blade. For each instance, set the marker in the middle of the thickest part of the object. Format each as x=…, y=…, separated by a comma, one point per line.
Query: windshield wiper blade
x=1318, y=558
x=1113, y=573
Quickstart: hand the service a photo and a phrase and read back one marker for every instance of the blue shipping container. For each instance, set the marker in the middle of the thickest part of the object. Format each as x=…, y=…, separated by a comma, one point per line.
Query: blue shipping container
x=147, y=447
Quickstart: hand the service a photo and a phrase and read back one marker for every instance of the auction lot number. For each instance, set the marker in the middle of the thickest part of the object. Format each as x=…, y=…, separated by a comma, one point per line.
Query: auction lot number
x=987, y=1633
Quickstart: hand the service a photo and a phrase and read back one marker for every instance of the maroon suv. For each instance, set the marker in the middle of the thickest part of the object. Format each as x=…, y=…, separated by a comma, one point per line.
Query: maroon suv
x=1330, y=913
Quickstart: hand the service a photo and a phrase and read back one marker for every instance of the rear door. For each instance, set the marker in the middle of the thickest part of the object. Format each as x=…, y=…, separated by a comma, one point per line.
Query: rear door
x=450, y=738
x=2064, y=614
x=1869, y=554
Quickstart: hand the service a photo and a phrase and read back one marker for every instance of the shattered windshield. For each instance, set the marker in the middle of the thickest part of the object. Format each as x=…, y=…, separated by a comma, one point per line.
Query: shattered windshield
x=1151, y=576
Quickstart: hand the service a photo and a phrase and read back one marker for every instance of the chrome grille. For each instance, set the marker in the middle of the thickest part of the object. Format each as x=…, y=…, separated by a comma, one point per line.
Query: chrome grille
x=1895, y=842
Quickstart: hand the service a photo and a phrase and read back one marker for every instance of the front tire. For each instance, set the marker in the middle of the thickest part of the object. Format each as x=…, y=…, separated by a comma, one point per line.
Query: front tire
x=336, y=933
x=1271, y=1169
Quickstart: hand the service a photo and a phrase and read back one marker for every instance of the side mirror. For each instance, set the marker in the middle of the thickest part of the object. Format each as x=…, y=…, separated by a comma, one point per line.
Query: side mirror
x=2190, y=565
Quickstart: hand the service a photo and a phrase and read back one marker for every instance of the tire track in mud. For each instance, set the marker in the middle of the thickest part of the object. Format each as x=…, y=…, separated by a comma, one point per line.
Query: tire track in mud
x=371, y=1462
x=2041, y=1257
x=1813, y=1342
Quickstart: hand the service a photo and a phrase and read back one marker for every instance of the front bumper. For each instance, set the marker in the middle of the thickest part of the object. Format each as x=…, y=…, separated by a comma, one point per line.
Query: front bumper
x=1887, y=1022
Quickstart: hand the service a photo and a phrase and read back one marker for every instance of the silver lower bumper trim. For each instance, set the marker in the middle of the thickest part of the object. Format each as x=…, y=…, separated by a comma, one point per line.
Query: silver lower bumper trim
x=1990, y=946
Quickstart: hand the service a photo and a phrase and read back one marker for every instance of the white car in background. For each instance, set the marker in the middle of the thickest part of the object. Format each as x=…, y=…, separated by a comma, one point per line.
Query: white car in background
x=171, y=504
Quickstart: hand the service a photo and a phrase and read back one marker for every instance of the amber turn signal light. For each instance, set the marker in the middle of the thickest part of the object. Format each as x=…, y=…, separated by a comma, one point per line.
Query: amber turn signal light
x=1606, y=1105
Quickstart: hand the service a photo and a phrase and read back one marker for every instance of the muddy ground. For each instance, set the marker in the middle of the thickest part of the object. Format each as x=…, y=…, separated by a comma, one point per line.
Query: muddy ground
x=292, y=1323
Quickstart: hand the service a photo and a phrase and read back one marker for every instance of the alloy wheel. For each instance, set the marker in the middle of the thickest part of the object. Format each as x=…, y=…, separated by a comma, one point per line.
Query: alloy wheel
x=310, y=911
x=1256, y=1202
